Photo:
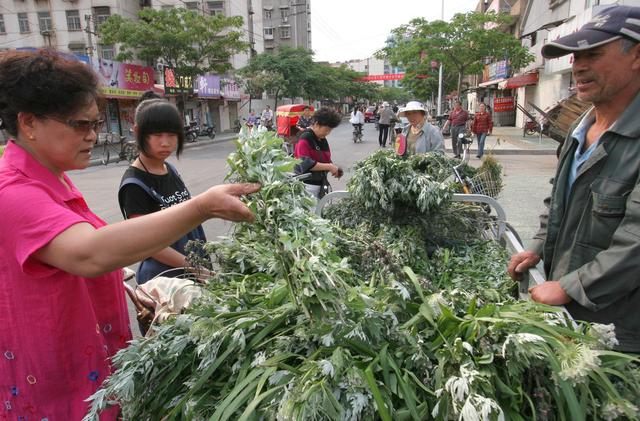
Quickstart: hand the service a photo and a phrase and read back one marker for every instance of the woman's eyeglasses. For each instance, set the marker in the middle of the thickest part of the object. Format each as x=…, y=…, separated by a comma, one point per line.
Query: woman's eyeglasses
x=81, y=126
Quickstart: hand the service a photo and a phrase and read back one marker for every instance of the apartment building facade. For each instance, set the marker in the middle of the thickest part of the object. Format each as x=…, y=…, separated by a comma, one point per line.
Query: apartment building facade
x=73, y=26
x=286, y=22
x=65, y=25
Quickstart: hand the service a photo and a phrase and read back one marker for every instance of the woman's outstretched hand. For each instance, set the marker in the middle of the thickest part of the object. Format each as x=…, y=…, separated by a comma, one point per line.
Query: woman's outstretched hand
x=224, y=202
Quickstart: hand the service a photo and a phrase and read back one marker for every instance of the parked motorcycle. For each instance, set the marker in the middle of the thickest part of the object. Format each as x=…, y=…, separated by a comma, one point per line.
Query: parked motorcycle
x=207, y=131
x=191, y=132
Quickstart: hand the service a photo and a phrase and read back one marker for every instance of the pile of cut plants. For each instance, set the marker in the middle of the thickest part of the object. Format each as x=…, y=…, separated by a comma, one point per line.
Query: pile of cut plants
x=390, y=308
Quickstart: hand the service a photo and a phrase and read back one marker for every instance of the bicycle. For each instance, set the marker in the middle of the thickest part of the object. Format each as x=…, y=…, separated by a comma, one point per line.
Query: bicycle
x=357, y=133
x=123, y=149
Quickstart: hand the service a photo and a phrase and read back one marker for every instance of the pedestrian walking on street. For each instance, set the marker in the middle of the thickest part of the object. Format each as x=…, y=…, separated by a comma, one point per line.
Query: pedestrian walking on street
x=589, y=239
x=457, y=121
x=482, y=127
x=386, y=114
x=421, y=136
x=63, y=312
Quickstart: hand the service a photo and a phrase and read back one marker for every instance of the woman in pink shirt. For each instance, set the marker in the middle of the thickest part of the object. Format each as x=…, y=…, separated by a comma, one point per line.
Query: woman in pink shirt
x=63, y=313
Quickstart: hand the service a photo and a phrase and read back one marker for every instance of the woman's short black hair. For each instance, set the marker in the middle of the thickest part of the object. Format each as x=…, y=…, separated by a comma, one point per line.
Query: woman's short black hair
x=44, y=83
x=158, y=116
x=325, y=116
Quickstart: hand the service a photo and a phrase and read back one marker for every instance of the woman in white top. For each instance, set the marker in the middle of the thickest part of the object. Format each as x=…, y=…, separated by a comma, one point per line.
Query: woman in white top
x=357, y=119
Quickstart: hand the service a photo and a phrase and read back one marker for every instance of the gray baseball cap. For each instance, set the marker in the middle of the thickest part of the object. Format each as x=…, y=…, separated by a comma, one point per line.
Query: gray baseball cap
x=608, y=25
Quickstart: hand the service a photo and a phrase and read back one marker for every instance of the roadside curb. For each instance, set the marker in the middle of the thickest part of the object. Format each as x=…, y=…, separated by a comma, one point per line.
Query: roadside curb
x=220, y=138
x=511, y=151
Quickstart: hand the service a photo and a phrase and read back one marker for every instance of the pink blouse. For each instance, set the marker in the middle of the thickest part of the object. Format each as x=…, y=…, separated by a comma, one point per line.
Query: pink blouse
x=57, y=330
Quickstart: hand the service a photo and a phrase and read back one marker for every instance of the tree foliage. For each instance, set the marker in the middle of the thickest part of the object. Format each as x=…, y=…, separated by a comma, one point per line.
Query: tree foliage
x=291, y=72
x=463, y=44
x=399, y=95
x=180, y=38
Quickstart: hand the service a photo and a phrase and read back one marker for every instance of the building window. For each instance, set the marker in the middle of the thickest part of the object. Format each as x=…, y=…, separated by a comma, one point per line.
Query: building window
x=2, y=28
x=284, y=14
x=285, y=32
x=267, y=13
x=555, y=3
x=44, y=21
x=191, y=5
x=100, y=14
x=107, y=52
x=268, y=33
x=73, y=20
x=78, y=49
x=216, y=7
x=23, y=22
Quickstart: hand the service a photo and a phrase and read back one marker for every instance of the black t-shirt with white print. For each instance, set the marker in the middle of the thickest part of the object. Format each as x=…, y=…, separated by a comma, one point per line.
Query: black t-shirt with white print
x=137, y=202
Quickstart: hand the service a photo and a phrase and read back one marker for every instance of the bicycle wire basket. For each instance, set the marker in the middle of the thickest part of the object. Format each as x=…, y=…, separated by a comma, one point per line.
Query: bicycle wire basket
x=485, y=183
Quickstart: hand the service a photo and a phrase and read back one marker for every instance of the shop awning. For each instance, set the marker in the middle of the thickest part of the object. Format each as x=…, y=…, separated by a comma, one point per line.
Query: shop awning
x=521, y=80
x=490, y=82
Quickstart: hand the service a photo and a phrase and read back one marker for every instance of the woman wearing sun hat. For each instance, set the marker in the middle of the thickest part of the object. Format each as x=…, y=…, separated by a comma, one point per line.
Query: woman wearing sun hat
x=419, y=136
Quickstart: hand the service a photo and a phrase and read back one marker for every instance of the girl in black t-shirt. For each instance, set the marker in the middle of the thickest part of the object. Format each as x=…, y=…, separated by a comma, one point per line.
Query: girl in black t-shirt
x=151, y=184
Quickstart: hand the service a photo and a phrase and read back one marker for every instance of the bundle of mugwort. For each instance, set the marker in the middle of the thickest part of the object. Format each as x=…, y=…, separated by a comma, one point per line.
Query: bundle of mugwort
x=366, y=316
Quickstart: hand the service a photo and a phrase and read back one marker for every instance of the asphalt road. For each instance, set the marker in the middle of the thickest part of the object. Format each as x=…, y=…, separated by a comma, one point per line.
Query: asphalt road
x=526, y=178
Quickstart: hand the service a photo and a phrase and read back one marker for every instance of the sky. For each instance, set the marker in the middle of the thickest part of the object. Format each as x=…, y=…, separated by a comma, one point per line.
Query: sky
x=354, y=29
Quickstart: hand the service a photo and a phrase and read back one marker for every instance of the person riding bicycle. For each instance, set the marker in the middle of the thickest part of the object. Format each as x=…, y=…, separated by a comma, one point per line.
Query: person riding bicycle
x=266, y=118
x=252, y=121
x=357, y=119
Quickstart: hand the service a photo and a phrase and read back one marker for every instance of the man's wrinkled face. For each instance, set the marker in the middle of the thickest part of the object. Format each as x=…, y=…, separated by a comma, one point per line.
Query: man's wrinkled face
x=603, y=73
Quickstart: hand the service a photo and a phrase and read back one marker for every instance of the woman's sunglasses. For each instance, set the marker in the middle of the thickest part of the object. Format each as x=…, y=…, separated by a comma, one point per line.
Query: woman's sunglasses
x=81, y=126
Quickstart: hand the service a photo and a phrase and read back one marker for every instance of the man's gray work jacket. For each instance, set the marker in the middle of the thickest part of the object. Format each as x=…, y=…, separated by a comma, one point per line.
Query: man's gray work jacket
x=590, y=237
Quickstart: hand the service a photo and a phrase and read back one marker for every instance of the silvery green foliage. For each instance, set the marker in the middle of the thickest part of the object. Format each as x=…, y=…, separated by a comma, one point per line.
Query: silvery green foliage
x=387, y=182
x=289, y=330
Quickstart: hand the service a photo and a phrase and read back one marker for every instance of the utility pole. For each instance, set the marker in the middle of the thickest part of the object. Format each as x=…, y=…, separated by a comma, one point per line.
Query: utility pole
x=440, y=72
x=87, y=29
x=250, y=13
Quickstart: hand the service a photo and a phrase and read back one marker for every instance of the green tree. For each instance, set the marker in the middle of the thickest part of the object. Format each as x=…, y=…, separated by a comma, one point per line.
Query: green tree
x=180, y=38
x=463, y=44
x=399, y=95
x=291, y=72
x=282, y=73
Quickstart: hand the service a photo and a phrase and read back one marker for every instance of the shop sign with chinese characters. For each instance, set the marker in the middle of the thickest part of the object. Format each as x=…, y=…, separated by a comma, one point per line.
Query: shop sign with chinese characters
x=208, y=86
x=496, y=70
x=503, y=104
x=230, y=90
x=175, y=83
x=123, y=79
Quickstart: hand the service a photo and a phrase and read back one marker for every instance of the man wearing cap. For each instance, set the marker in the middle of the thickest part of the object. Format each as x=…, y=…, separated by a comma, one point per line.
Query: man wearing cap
x=421, y=136
x=589, y=238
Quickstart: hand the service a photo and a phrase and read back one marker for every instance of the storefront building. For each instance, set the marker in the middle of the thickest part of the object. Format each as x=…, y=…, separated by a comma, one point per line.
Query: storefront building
x=122, y=85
